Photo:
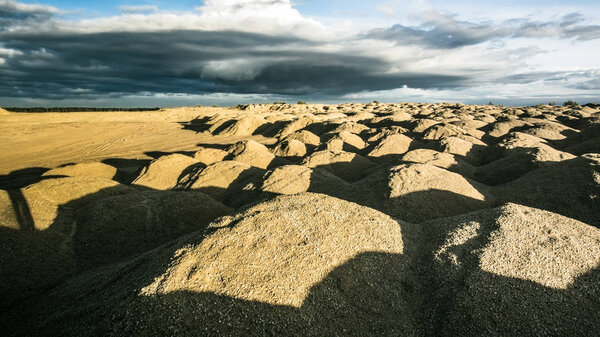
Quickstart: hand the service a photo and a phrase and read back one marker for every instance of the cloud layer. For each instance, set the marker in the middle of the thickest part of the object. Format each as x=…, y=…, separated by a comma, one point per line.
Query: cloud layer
x=268, y=49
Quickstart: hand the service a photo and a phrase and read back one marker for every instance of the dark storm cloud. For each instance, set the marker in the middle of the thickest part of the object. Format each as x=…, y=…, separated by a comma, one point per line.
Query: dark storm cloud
x=592, y=84
x=349, y=74
x=192, y=62
x=12, y=12
x=440, y=31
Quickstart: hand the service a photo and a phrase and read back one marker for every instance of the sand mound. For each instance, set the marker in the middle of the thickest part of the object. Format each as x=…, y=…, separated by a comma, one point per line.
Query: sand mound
x=394, y=144
x=4, y=112
x=73, y=190
x=514, y=270
x=292, y=179
x=400, y=116
x=589, y=146
x=418, y=192
x=549, y=130
x=423, y=124
x=35, y=232
x=470, y=124
x=209, y=156
x=292, y=265
x=439, y=159
x=31, y=257
x=290, y=148
x=164, y=173
x=43, y=204
x=31, y=260
x=384, y=121
x=334, y=144
x=544, y=133
x=431, y=192
x=361, y=116
x=439, y=131
x=346, y=165
x=93, y=169
x=296, y=125
x=502, y=128
x=518, y=162
x=516, y=140
x=218, y=123
x=570, y=188
x=377, y=134
x=350, y=127
x=232, y=183
x=474, y=151
x=244, y=126
x=352, y=142
x=8, y=213
x=251, y=153
x=112, y=228
x=305, y=137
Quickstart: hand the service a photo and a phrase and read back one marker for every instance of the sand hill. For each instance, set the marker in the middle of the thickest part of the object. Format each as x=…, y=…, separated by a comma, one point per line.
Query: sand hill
x=513, y=270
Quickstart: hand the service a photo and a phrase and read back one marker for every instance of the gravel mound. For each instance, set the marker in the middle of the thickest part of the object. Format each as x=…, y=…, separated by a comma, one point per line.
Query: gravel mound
x=305, y=137
x=352, y=142
x=113, y=228
x=473, y=150
x=251, y=153
x=209, y=156
x=439, y=131
x=230, y=182
x=423, y=124
x=502, y=128
x=293, y=179
x=296, y=125
x=92, y=169
x=36, y=229
x=513, y=270
x=418, y=192
x=444, y=160
x=164, y=173
x=570, y=188
x=394, y=144
x=244, y=126
x=519, y=162
x=291, y=265
x=350, y=127
x=74, y=191
x=346, y=165
x=290, y=148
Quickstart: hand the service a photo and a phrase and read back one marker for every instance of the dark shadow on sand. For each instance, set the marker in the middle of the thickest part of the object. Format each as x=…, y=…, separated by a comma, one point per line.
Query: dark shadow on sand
x=372, y=293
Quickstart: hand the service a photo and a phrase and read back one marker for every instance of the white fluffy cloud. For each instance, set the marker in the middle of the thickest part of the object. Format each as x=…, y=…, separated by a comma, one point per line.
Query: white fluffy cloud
x=12, y=6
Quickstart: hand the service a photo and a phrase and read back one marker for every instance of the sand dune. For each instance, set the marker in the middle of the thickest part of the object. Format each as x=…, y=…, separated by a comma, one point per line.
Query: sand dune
x=280, y=219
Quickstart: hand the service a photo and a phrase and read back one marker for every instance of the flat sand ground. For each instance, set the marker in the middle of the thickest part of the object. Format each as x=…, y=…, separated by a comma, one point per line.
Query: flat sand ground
x=49, y=140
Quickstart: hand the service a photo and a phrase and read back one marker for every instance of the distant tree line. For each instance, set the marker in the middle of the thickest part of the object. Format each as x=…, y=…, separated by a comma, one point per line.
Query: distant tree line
x=77, y=109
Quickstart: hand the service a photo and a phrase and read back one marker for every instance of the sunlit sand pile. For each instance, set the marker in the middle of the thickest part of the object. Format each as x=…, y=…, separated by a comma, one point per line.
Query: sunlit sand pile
x=352, y=219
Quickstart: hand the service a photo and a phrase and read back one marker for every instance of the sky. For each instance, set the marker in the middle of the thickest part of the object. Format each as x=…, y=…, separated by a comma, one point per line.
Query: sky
x=172, y=53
